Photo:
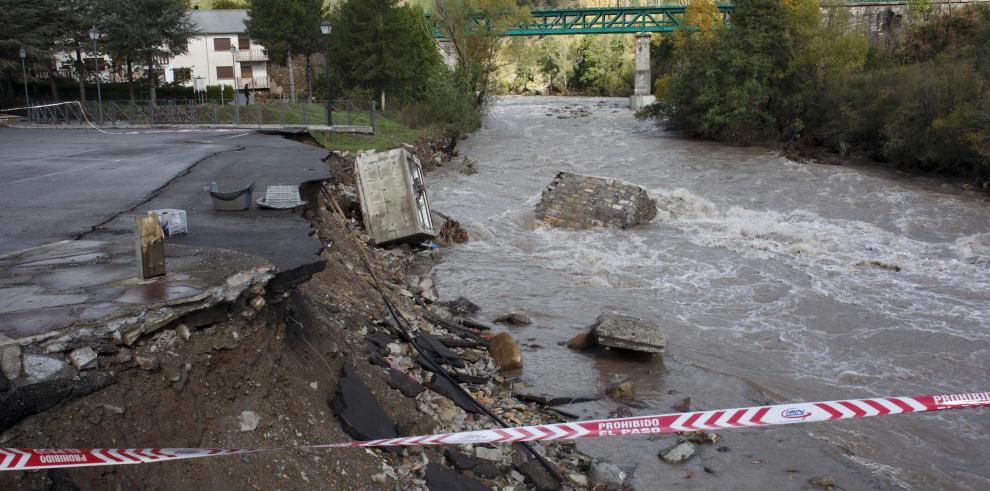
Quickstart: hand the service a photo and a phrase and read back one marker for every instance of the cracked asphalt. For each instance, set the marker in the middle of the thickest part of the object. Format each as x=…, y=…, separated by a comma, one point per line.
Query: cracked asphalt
x=67, y=184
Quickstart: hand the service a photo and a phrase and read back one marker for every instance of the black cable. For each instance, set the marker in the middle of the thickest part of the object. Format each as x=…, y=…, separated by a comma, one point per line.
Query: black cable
x=438, y=369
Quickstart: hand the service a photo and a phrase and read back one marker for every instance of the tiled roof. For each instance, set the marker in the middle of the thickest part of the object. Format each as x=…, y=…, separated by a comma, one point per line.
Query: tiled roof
x=219, y=21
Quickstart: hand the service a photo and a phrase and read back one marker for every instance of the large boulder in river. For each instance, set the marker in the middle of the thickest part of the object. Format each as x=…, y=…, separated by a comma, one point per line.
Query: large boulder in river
x=506, y=352
x=625, y=332
x=582, y=202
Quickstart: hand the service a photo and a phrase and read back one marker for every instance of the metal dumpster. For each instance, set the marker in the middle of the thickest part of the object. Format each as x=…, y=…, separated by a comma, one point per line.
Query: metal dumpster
x=393, y=197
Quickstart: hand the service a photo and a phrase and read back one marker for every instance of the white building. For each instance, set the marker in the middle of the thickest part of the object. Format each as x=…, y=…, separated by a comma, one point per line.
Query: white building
x=210, y=58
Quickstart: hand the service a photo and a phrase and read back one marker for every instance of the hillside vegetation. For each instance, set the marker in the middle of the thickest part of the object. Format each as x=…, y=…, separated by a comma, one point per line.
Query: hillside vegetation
x=784, y=73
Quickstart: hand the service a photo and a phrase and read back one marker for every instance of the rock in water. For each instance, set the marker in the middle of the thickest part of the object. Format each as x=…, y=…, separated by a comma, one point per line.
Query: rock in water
x=514, y=319
x=621, y=390
x=678, y=453
x=622, y=331
x=462, y=307
x=506, y=352
x=581, y=202
x=606, y=475
x=582, y=341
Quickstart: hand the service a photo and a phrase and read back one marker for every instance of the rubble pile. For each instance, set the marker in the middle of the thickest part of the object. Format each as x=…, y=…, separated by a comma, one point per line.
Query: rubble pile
x=582, y=202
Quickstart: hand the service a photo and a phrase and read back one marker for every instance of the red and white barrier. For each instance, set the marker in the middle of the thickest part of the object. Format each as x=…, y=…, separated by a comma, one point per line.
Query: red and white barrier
x=781, y=414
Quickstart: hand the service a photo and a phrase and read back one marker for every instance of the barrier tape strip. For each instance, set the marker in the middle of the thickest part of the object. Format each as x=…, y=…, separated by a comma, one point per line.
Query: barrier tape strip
x=782, y=414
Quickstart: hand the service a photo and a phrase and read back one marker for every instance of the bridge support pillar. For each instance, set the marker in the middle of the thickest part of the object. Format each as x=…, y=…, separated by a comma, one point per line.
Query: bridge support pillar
x=642, y=96
x=446, y=47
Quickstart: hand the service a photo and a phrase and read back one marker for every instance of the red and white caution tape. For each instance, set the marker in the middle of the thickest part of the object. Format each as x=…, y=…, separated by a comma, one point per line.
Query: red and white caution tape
x=782, y=414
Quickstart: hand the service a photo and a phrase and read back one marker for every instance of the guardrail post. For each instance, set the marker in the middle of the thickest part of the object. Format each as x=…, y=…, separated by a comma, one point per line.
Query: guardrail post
x=373, y=106
x=281, y=112
x=350, y=113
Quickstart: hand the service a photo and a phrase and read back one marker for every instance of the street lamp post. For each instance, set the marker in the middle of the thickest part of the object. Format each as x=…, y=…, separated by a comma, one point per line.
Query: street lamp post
x=326, y=28
x=233, y=76
x=94, y=34
x=27, y=100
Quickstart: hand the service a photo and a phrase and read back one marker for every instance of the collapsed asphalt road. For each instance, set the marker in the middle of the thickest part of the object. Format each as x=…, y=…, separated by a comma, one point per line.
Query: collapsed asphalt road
x=67, y=184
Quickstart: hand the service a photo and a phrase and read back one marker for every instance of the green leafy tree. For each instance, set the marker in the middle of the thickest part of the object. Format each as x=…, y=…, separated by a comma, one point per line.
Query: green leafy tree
x=476, y=42
x=146, y=31
x=32, y=25
x=285, y=27
x=603, y=65
x=383, y=46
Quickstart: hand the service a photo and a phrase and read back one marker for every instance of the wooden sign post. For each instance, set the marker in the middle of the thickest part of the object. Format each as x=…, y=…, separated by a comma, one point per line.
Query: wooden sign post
x=149, y=246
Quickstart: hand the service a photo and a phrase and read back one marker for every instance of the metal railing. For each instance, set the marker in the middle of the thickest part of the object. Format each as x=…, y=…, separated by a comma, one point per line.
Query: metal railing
x=251, y=55
x=339, y=115
x=253, y=83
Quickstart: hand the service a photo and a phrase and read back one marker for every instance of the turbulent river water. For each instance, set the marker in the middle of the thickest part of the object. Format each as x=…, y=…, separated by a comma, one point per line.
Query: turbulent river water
x=773, y=280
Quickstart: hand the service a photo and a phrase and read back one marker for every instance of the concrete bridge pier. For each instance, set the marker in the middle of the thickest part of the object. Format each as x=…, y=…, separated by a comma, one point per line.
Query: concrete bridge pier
x=446, y=47
x=642, y=96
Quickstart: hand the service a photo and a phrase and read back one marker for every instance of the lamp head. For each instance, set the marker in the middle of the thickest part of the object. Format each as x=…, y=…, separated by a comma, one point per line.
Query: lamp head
x=94, y=33
x=23, y=53
x=326, y=28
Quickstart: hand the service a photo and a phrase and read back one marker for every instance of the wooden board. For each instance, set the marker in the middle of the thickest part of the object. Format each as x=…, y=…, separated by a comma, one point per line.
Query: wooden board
x=149, y=246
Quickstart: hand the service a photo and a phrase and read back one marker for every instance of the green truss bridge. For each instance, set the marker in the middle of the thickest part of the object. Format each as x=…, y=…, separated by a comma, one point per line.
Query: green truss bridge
x=606, y=20
x=632, y=16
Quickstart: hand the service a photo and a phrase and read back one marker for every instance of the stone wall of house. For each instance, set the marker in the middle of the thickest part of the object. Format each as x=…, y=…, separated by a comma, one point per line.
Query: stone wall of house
x=581, y=202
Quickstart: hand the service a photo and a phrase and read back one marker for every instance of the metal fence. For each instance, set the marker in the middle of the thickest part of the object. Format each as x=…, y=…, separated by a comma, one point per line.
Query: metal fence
x=342, y=115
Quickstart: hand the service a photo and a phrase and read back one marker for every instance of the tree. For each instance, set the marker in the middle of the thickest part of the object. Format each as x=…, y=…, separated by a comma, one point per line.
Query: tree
x=284, y=26
x=148, y=31
x=32, y=25
x=475, y=28
x=227, y=4
x=602, y=65
x=383, y=46
x=551, y=64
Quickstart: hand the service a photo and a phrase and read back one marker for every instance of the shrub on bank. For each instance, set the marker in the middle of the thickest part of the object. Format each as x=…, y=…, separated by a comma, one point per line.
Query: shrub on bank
x=782, y=74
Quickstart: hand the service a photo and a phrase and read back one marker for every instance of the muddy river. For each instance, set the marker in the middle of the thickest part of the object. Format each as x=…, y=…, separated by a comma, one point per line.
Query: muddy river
x=773, y=280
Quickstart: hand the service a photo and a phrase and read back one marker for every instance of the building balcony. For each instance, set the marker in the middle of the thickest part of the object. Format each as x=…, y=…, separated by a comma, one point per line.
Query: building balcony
x=251, y=55
x=253, y=83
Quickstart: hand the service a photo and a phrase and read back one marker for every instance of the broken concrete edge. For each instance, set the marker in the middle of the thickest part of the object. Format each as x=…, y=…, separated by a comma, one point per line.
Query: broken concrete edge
x=45, y=370
x=579, y=201
x=630, y=333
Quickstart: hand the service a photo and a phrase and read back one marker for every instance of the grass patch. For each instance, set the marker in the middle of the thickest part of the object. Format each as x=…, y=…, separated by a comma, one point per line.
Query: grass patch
x=389, y=134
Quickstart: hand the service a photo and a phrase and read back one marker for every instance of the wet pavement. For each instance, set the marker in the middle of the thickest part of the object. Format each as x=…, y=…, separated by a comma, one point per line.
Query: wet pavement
x=87, y=285
x=67, y=184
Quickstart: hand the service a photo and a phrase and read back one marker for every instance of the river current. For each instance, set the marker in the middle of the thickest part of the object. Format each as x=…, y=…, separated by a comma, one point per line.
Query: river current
x=773, y=281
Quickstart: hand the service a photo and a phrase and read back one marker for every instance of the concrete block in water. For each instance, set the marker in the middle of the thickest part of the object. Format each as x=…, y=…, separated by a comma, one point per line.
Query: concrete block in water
x=582, y=202
x=625, y=332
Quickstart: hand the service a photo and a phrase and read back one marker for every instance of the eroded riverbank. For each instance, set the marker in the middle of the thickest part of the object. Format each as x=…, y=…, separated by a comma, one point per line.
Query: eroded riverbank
x=774, y=280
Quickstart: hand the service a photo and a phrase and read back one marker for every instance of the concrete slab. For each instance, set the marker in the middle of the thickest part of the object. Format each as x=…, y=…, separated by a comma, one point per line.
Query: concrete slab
x=41, y=300
x=625, y=332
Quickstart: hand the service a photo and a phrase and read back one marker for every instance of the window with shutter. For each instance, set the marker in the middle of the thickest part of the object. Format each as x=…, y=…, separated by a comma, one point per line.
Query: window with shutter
x=221, y=44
